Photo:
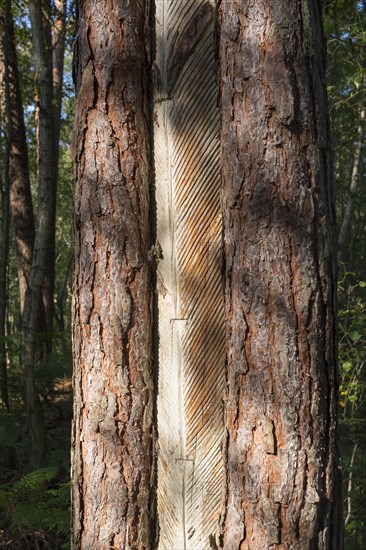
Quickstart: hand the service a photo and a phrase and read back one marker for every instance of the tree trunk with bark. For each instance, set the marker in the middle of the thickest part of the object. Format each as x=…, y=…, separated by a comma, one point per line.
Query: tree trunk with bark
x=47, y=144
x=5, y=206
x=19, y=188
x=355, y=174
x=58, y=54
x=39, y=15
x=282, y=473
x=113, y=382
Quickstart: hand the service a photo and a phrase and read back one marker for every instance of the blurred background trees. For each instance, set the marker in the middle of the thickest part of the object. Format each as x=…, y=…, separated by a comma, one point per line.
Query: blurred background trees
x=36, y=255
x=345, y=27
x=34, y=489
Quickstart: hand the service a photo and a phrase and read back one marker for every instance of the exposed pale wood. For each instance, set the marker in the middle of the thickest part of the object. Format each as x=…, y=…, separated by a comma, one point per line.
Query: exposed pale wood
x=191, y=329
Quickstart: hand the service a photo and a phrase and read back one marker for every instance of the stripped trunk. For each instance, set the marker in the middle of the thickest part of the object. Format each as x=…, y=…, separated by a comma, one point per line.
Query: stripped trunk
x=190, y=299
x=113, y=383
x=282, y=471
x=20, y=192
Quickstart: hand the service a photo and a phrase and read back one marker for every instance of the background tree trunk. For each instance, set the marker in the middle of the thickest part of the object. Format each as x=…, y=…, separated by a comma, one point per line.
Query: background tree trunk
x=282, y=473
x=5, y=185
x=58, y=54
x=347, y=217
x=39, y=15
x=113, y=382
x=19, y=191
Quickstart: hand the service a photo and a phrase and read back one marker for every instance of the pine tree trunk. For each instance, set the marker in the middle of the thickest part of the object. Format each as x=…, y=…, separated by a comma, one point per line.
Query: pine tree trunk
x=39, y=16
x=5, y=185
x=355, y=175
x=19, y=190
x=113, y=382
x=47, y=155
x=282, y=470
x=58, y=44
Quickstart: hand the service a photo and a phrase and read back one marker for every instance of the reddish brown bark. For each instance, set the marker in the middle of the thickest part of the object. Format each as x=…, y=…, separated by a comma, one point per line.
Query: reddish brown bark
x=112, y=446
x=281, y=465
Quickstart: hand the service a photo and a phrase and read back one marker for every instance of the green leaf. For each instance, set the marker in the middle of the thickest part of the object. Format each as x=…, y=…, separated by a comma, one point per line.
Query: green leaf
x=354, y=335
x=362, y=284
x=346, y=366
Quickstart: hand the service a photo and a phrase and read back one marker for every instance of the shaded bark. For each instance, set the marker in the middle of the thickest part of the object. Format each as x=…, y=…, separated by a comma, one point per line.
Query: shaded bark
x=113, y=384
x=282, y=470
x=19, y=189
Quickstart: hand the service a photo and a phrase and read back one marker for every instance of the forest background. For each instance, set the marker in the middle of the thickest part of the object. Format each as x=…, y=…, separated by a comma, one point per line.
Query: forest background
x=35, y=489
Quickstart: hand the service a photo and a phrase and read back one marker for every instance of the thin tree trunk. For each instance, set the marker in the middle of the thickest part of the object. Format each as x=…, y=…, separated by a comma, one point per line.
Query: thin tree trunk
x=346, y=222
x=3, y=280
x=349, y=485
x=39, y=16
x=47, y=156
x=113, y=382
x=282, y=473
x=58, y=51
x=20, y=192
x=5, y=184
x=58, y=44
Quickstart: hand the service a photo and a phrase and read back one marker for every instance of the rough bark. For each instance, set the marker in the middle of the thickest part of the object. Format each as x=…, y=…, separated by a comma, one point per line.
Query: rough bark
x=282, y=470
x=113, y=383
x=20, y=192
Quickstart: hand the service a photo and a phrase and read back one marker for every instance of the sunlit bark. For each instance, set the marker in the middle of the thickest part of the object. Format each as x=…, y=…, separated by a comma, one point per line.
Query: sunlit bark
x=113, y=383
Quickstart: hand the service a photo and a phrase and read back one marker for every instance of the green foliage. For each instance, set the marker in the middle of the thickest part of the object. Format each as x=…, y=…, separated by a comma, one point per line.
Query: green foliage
x=345, y=27
x=37, y=501
x=352, y=362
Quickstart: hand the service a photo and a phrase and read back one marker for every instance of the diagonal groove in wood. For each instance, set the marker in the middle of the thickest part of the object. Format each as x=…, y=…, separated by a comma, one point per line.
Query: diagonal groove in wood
x=191, y=315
